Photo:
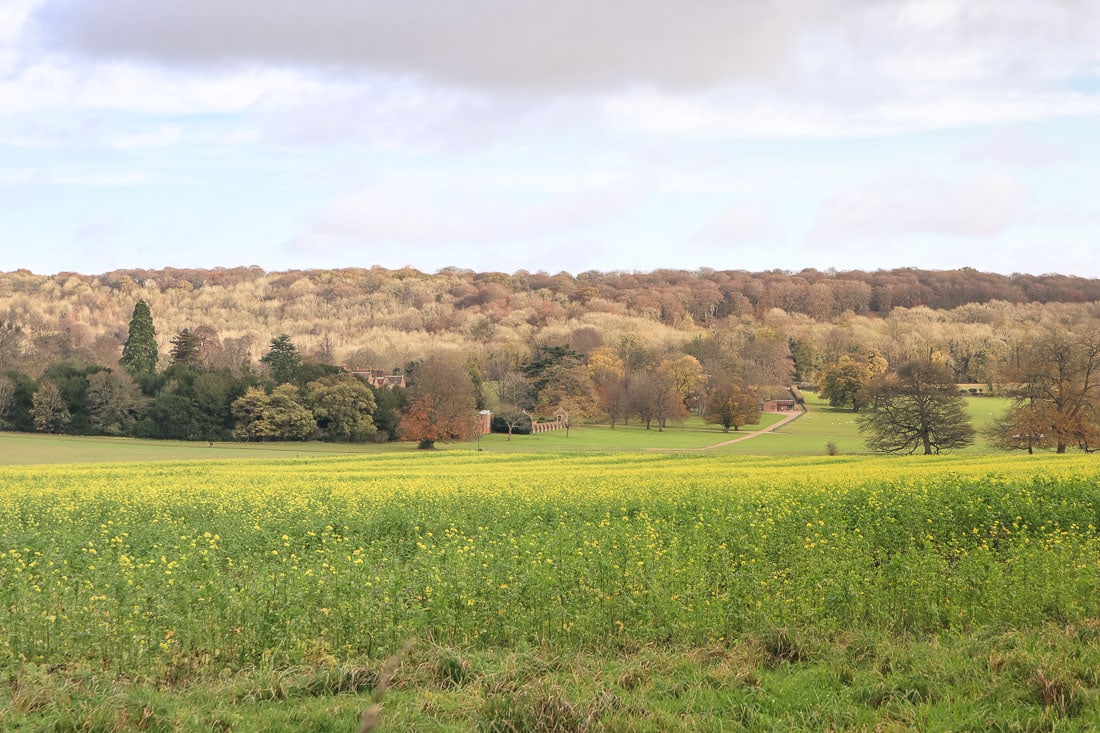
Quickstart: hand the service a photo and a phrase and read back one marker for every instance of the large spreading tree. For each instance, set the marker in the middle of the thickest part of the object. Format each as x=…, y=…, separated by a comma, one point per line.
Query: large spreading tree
x=1056, y=383
x=918, y=408
x=441, y=407
x=344, y=408
x=731, y=404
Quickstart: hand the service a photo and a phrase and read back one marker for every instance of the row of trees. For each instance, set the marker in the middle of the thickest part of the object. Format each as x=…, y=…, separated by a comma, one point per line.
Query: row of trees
x=1056, y=387
x=1054, y=381
x=286, y=398
x=210, y=390
x=703, y=294
x=623, y=384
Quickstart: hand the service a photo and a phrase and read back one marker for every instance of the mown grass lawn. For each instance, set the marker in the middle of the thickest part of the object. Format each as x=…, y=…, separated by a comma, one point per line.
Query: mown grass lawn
x=812, y=433
x=692, y=434
x=35, y=448
x=808, y=435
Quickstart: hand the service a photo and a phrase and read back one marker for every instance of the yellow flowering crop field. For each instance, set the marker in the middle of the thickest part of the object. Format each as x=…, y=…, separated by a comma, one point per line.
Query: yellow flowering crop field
x=191, y=570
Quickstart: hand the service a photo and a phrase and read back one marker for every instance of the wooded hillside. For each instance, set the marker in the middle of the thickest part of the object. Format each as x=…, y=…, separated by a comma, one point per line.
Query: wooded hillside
x=385, y=318
x=214, y=354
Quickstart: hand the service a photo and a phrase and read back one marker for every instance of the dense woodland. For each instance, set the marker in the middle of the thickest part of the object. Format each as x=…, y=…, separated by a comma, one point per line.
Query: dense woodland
x=614, y=346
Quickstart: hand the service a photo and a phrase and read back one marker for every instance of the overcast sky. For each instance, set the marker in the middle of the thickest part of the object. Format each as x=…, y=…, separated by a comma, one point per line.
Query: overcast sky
x=567, y=135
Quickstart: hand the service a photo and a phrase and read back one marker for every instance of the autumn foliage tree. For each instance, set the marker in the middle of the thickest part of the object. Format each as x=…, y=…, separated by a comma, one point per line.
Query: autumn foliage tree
x=441, y=405
x=1026, y=426
x=687, y=375
x=567, y=385
x=652, y=397
x=732, y=404
x=50, y=412
x=1057, y=389
x=115, y=402
x=847, y=381
x=608, y=374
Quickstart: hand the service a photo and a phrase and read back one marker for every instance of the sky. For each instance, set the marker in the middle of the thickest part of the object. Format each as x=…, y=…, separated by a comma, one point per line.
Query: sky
x=567, y=135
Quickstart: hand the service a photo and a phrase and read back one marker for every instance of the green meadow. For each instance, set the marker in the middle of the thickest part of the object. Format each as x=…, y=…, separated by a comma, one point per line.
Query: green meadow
x=808, y=435
x=822, y=424
x=30, y=448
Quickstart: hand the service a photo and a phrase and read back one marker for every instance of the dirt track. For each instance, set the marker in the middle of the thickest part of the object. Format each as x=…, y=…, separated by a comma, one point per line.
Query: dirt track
x=756, y=433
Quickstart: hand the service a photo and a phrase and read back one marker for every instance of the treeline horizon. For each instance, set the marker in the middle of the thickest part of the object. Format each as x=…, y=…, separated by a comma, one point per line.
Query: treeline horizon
x=614, y=345
x=810, y=291
x=382, y=319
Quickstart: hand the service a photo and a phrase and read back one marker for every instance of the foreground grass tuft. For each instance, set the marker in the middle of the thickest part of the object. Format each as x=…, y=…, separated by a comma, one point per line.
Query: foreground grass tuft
x=1036, y=679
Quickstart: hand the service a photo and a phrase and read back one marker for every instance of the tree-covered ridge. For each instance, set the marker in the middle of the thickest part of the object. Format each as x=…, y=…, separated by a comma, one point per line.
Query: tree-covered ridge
x=610, y=346
x=396, y=314
x=715, y=293
x=806, y=291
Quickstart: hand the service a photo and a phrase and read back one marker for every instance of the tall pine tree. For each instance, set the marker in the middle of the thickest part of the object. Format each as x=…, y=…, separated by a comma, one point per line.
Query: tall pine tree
x=139, y=355
x=185, y=348
x=283, y=360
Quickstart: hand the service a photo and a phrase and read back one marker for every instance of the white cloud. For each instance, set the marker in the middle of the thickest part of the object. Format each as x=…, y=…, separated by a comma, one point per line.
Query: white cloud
x=1016, y=148
x=438, y=74
x=50, y=177
x=754, y=114
x=13, y=13
x=602, y=134
x=742, y=223
x=385, y=114
x=435, y=213
x=521, y=44
x=57, y=83
x=903, y=205
x=163, y=136
x=572, y=44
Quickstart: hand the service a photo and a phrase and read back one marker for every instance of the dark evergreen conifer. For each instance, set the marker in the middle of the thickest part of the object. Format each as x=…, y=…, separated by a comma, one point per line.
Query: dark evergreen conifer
x=283, y=360
x=185, y=348
x=139, y=354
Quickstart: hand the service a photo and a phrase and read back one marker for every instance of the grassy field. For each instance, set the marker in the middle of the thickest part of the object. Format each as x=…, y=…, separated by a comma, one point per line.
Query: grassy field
x=822, y=424
x=28, y=448
x=809, y=435
x=692, y=435
x=34, y=448
x=546, y=591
